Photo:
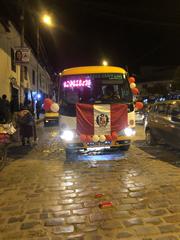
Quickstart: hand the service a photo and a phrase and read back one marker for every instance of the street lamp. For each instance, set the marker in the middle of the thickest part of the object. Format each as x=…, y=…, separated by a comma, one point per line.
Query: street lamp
x=105, y=63
x=46, y=20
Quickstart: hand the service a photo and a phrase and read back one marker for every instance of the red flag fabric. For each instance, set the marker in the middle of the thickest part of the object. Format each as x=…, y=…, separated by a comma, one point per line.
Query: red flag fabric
x=85, y=119
x=101, y=118
x=119, y=117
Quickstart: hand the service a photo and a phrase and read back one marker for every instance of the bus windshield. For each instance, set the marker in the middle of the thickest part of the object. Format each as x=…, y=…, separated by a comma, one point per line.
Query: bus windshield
x=101, y=88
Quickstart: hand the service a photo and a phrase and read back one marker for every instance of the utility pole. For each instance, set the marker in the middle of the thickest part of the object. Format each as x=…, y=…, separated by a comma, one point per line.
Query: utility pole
x=21, y=66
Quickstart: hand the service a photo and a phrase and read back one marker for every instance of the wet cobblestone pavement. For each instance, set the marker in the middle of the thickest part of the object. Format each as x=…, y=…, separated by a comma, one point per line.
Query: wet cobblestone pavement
x=44, y=197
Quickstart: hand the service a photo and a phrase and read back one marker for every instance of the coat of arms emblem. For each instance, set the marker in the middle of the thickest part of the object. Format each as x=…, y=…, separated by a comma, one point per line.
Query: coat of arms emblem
x=102, y=120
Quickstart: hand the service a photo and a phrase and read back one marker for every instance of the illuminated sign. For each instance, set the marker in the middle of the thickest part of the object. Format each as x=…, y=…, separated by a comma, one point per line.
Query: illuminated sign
x=77, y=83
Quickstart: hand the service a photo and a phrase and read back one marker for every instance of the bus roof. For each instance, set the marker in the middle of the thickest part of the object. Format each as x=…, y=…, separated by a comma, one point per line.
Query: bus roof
x=92, y=69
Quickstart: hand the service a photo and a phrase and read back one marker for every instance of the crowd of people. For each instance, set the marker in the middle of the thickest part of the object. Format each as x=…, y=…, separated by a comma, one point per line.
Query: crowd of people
x=24, y=119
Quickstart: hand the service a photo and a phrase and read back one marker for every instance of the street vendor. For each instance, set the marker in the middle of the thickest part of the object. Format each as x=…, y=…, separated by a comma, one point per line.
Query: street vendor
x=26, y=124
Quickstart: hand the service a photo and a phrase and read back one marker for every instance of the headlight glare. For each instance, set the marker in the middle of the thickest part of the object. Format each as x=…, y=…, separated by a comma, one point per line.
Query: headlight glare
x=129, y=132
x=67, y=135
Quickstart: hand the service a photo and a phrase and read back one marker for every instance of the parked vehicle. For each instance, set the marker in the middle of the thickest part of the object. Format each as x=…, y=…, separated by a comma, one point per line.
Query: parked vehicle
x=139, y=117
x=51, y=118
x=163, y=123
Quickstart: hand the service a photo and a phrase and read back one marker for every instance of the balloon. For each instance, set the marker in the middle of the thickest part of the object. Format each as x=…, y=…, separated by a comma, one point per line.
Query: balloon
x=47, y=104
x=46, y=107
x=135, y=91
x=95, y=138
x=108, y=137
x=114, y=136
x=132, y=85
x=131, y=80
x=83, y=137
x=54, y=107
x=102, y=138
x=139, y=105
x=48, y=101
x=88, y=138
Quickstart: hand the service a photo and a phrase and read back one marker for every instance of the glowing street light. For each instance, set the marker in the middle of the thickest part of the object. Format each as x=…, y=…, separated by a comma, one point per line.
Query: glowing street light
x=46, y=19
x=105, y=63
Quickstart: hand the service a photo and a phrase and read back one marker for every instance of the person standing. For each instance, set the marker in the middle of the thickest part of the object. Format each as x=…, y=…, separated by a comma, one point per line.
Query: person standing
x=26, y=123
x=30, y=107
x=38, y=108
x=5, y=108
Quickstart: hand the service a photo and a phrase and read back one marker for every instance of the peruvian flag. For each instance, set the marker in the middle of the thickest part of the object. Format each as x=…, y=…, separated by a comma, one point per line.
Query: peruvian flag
x=101, y=118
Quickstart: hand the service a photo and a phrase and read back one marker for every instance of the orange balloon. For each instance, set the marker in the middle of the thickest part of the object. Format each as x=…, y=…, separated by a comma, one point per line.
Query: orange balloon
x=131, y=80
x=88, y=138
x=83, y=137
x=108, y=137
x=139, y=105
x=135, y=91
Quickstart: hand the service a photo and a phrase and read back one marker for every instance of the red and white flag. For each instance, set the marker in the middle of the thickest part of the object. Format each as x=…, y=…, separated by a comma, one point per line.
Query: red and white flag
x=101, y=118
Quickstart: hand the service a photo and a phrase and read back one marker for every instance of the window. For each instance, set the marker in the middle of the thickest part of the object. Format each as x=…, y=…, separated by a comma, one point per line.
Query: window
x=13, y=64
x=33, y=77
x=25, y=72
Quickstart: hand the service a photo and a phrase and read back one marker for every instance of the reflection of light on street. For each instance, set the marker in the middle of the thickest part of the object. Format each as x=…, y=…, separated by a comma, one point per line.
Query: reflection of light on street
x=96, y=156
x=54, y=134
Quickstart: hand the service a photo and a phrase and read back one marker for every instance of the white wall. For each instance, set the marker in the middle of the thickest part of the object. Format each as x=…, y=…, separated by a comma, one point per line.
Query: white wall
x=10, y=40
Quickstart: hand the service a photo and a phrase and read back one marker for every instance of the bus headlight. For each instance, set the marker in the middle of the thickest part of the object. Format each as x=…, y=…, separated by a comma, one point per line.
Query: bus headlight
x=129, y=132
x=67, y=135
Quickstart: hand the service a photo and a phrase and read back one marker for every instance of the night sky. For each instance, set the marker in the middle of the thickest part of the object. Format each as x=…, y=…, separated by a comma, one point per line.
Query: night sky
x=126, y=33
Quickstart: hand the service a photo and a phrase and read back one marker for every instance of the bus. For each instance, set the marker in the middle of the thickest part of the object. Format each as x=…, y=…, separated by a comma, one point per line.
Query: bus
x=96, y=109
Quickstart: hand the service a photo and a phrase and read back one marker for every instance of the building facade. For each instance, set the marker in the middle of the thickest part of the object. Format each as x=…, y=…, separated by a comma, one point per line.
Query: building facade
x=36, y=82
x=158, y=80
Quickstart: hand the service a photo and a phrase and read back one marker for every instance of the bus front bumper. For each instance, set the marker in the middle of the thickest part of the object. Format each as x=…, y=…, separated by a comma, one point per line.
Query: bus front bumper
x=76, y=144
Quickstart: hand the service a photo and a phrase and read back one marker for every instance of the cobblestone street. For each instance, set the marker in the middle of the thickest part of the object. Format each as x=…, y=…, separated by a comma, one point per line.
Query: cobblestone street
x=45, y=197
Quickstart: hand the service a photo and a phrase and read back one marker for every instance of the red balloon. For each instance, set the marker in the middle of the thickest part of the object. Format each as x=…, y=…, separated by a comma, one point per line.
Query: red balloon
x=83, y=137
x=46, y=107
x=114, y=135
x=139, y=105
x=135, y=91
x=108, y=137
x=88, y=138
x=48, y=102
x=131, y=80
